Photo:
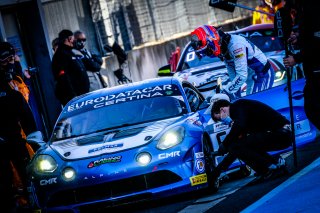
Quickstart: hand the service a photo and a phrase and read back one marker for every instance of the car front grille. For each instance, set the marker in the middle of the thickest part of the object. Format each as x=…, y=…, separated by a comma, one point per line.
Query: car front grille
x=113, y=189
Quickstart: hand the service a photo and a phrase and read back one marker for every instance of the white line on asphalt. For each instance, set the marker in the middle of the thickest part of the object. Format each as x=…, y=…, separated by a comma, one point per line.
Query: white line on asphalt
x=205, y=203
x=281, y=187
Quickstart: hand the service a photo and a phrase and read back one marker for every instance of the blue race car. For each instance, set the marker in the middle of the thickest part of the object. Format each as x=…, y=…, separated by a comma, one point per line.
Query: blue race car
x=133, y=142
x=140, y=141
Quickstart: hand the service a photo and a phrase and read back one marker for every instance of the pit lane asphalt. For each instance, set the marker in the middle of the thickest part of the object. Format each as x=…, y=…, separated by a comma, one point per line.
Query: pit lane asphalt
x=296, y=192
x=235, y=195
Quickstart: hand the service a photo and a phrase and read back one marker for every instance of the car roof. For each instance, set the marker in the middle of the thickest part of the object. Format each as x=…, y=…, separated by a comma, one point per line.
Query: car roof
x=254, y=27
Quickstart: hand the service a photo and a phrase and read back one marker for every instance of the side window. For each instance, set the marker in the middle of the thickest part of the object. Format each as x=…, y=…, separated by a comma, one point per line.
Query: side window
x=193, y=98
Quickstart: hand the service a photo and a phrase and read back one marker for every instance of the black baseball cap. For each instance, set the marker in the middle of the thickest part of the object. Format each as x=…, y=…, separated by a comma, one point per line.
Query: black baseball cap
x=6, y=51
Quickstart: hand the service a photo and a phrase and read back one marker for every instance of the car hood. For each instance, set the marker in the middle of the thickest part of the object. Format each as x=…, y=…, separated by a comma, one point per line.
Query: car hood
x=110, y=142
x=204, y=74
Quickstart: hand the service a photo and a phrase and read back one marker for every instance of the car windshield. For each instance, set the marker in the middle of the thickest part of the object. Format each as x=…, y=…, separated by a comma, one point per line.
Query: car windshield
x=119, y=115
x=191, y=60
x=267, y=43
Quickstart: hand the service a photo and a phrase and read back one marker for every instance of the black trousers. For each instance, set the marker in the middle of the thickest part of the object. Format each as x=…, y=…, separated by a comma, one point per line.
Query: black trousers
x=253, y=150
x=16, y=153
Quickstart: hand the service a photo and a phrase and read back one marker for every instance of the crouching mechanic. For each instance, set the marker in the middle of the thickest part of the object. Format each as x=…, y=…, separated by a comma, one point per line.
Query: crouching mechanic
x=239, y=55
x=256, y=129
x=15, y=114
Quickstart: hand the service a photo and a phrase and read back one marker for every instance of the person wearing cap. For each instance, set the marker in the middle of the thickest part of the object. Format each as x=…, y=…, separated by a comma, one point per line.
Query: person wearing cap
x=256, y=129
x=16, y=122
x=92, y=62
x=68, y=69
x=239, y=55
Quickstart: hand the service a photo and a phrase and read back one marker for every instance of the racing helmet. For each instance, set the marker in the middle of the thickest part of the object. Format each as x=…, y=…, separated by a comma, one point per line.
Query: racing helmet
x=205, y=41
x=6, y=51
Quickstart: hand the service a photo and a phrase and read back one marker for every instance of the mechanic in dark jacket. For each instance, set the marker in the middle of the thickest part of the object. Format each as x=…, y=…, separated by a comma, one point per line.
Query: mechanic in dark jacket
x=68, y=69
x=256, y=129
x=15, y=114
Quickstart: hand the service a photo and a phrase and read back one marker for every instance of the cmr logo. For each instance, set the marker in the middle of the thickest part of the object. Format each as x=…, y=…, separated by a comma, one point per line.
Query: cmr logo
x=169, y=155
x=48, y=182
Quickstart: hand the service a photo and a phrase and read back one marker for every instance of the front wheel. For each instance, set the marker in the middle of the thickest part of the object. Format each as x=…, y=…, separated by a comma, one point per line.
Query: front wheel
x=213, y=181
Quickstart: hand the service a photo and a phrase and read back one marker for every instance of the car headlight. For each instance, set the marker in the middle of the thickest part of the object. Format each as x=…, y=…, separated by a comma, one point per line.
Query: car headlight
x=171, y=138
x=143, y=158
x=45, y=163
x=68, y=174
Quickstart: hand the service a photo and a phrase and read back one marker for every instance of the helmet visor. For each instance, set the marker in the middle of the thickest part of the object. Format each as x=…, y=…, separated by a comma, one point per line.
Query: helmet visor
x=208, y=50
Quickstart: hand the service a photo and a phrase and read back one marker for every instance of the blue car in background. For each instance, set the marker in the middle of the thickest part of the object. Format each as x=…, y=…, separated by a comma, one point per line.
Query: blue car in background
x=203, y=74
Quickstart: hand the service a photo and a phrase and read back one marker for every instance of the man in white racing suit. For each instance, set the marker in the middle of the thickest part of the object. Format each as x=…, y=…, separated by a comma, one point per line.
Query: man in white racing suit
x=239, y=55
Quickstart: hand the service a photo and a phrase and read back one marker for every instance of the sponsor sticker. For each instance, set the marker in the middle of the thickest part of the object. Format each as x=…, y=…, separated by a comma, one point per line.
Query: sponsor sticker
x=237, y=50
x=199, y=154
x=200, y=165
x=239, y=56
x=198, y=179
x=130, y=95
x=169, y=155
x=113, y=159
x=108, y=146
x=50, y=181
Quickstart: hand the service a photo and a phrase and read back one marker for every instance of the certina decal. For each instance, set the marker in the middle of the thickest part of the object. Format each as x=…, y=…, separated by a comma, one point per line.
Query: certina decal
x=48, y=182
x=108, y=146
x=199, y=154
x=169, y=155
x=112, y=159
x=199, y=165
x=102, y=101
x=199, y=179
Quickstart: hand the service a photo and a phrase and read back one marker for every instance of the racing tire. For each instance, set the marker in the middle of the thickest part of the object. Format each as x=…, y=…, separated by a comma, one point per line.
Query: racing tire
x=213, y=182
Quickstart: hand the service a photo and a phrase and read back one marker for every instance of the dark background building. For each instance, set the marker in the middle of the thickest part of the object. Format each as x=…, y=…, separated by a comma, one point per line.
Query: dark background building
x=31, y=25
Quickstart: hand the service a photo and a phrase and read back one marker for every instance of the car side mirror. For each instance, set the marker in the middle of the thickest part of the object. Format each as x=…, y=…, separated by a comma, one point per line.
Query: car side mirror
x=165, y=71
x=35, y=140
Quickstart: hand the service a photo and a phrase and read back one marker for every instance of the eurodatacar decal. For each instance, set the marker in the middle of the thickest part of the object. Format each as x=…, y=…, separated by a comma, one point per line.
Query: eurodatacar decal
x=162, y=90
